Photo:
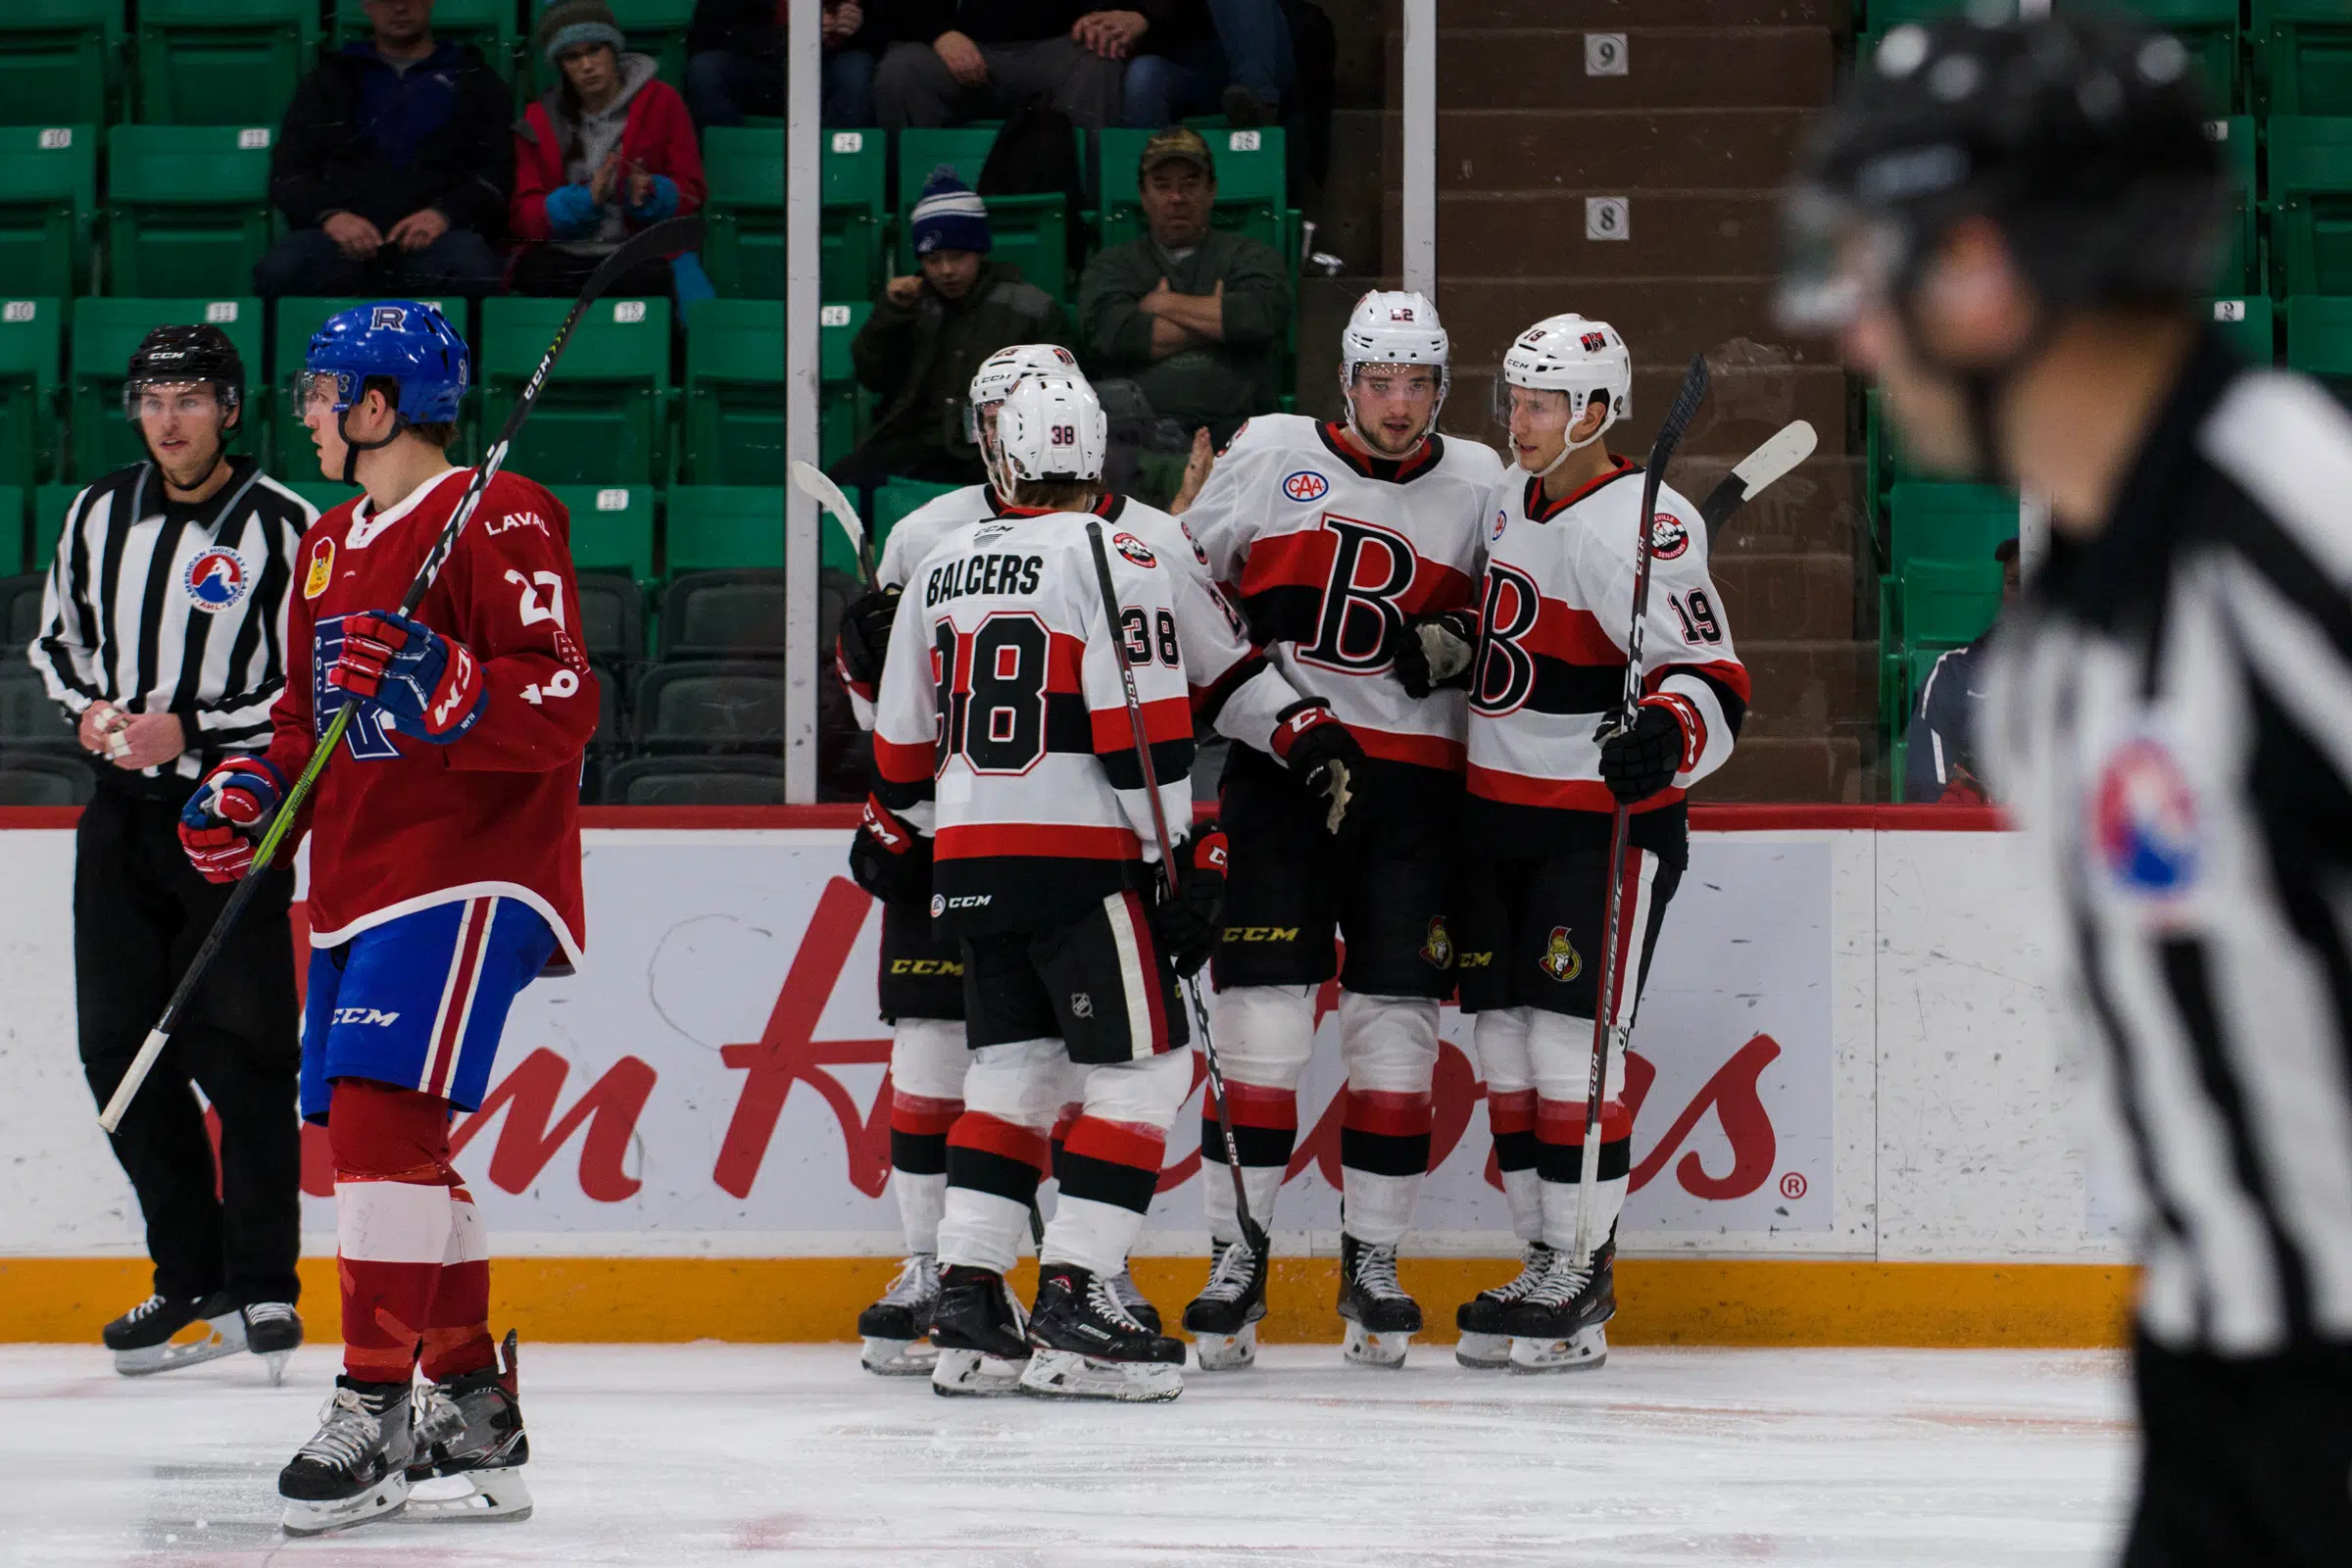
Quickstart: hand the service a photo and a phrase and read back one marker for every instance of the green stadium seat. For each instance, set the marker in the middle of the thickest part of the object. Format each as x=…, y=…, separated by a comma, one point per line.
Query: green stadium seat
x=19, y=596
x=2241, y=263
x=2303, y=55
x=1948, y=523
x=33, y=375
x=2319, y=338
x=2209, y=28
x=2248, y=324
x=42, y=778
x=655, y=28
x=897, y=499
x=724, y=614
x=1948, y=603
x=16, y=538
x=743, y=250
x=843, y=407
x=188, y=208
x=105, y=333
x=48, y=199
x=58, y=61
x=50, y=504
x=487, y=25
x=217, y=61
x=716, y=705
x=1884, y=16
x=612, y=527
x=854, y=212
x=735, y=392
x=2310, y=195
x=1032, y=232
x=720, y=527
x=604, y=413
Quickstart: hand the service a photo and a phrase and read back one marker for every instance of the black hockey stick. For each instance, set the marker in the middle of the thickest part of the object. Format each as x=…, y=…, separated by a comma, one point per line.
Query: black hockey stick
x=1761, y=468
x=662, y=239
x=1252, y=1233
x=1604, y=1036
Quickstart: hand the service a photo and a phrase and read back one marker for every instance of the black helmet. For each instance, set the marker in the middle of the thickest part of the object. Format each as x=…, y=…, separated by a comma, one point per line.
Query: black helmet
x=2083, y=138
x=182, y=354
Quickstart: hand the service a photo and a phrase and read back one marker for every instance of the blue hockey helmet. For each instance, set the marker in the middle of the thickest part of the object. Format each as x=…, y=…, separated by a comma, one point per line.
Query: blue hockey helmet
x=406, y=342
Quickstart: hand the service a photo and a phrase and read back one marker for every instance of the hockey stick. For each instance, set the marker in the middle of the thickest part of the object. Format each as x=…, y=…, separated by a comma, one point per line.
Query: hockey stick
x=1252, y=1233
x=1607, y=1037
x=662, y=239
x=1770, y=462
x=820, y=489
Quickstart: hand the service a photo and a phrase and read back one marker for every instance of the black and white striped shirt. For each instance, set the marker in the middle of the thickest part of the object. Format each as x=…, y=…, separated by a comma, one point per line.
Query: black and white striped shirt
x=2171, y=719
x=163, y=607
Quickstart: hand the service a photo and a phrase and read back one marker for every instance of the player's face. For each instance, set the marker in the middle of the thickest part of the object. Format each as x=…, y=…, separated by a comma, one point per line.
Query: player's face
x=1538, y=423
x=370, y=417
x=1395, y=405
x=183, y=423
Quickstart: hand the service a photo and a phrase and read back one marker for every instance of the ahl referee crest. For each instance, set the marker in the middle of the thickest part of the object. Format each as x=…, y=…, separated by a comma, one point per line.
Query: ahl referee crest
x=216, y=578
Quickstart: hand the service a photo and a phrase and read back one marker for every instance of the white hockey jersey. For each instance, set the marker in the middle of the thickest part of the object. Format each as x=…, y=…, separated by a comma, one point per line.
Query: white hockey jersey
x=1001, y=726
x=1551, y=664
x=1332, y=553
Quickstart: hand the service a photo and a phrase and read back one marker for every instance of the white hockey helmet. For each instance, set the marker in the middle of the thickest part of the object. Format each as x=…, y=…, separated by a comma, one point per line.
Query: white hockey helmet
x=1048, y=427
x=1000, y=369
x=1571, y=354
x=1394, y=326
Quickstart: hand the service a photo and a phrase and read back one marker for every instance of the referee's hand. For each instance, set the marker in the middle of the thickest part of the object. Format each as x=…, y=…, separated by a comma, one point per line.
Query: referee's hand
x=150, y=741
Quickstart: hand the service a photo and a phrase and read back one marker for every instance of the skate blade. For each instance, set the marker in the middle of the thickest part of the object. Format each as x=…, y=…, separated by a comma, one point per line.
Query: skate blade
x=275, y=1362
x=898, y=1359
x=1068, y=1375
x=1366, y=1347
x=1582, y=1351
x=1487, y=1352
x=1227, y=1352
x=385, y=1498
x=959, y=1374
x=227, y=1337
x=472, y=1496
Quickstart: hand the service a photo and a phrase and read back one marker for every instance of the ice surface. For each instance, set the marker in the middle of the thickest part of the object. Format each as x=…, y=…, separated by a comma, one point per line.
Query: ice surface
x=710, y=1454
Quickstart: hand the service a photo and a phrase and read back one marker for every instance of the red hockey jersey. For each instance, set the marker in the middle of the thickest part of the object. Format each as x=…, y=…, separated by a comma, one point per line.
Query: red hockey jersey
x=398, y=823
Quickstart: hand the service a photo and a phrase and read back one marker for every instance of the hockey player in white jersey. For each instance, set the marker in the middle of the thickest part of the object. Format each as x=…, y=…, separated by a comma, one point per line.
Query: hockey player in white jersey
x=1002, y=736
x=1547, y=771
x=1235, y=691
x=1336, y=537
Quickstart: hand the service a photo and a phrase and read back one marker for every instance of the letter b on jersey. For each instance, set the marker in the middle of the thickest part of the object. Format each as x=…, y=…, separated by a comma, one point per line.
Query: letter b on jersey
x=1505, y=674
x=1371, y=567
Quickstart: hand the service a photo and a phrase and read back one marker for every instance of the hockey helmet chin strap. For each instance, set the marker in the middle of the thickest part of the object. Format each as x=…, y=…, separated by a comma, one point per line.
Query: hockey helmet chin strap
x=353, y=446
x=1568, y=445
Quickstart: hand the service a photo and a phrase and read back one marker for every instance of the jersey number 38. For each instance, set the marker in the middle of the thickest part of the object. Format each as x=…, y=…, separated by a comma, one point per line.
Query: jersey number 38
x=995, y=708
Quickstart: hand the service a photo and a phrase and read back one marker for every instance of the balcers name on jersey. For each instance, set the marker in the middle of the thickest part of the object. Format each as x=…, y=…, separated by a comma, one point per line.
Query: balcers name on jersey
x=992, y=574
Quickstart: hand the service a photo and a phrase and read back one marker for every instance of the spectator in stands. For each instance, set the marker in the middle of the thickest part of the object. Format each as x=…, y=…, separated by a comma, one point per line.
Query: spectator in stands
x=607, y=152
x=950, y=60
x=1233, y=55
x=392, y=167
x=1195, y=316
x=1939, y=764
x=930, y=331
x=735, y=60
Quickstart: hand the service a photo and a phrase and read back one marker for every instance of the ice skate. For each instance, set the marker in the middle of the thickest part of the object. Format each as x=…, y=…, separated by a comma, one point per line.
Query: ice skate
x=894, y=1327
x=1484, y=1342
x=1139, y=1305
x=472, y=1430
x=141, y=1337
x=1561, y=1326
x=1223, y=1318
x=1382, y=1319
x=357, y=1468
x=979, y=1332
x=273, y=1331
x=1088, y=1347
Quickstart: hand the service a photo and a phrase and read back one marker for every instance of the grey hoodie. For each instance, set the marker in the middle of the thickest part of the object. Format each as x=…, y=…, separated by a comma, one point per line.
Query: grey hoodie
x=600, y=136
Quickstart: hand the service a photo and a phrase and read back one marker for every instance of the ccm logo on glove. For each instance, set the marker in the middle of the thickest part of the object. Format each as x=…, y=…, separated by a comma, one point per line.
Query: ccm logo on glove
x=428, y=684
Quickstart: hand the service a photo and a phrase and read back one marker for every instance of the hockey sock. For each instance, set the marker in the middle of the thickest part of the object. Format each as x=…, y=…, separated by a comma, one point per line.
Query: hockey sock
x=1501, y=1040
x=457, y=1331
x=927, y=1062
x=392, y=1220
x=1265, y=1036
x=998, y=1150
x=1390, y=1046
x=1111, y=1162
x=1561, y=1049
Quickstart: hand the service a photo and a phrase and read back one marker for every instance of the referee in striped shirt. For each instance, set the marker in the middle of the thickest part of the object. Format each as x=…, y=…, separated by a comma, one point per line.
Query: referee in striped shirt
x=2013, y=227
x=162, y=635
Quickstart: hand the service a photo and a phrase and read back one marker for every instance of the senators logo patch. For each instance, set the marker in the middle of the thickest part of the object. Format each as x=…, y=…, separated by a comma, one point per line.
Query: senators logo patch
x=1560, y=959
x=1133, y=549
x=322, y=569
x=1594, y=342
x=1438, y=950
x=1668, y=538
x=1305, y=485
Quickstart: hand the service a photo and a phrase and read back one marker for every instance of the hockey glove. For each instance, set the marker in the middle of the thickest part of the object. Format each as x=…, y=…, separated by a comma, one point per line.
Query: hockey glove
x=429, y=685
x=863, y=645
x=1191, y=921
x=890, y=859
x=1321, y=753
x=1638, y=763
x=226, y=814
x=1435, y=652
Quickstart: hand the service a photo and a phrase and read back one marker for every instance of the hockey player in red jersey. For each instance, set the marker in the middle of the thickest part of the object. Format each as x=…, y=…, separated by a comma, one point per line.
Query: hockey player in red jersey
x=1336, y=535
x=1547, y=773
x=444, y=877
x=1003, y=747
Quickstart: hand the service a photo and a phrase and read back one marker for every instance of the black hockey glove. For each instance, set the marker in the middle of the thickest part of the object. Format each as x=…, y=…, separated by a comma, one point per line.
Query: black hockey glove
x=890, y=859
x=863, y=645
x=1191, y=921
x=1435, y=652
x=1638, y=763
x=1322, y=754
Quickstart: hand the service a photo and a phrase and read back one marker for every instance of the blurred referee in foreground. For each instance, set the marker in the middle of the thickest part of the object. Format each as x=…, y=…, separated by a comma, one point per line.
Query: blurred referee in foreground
x=163, y=634
x=2012, y=226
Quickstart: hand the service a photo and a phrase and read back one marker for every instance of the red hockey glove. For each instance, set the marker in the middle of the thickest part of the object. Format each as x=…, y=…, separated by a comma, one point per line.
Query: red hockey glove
x=220, y=824
x=1192, y=920
x=890, y=859
x=1638, y=763
x=1435, y=652
x=429, y=685
x=1321, y=753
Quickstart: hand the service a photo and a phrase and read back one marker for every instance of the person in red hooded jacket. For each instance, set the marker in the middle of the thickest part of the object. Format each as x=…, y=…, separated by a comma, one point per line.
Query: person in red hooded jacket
x=607, y=152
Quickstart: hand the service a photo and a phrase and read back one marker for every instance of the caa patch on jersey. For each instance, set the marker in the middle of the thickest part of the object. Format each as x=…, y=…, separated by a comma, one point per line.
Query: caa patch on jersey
x=1133, y=549
x=1502, y=520
x=216, y=578
x=1668, y=538
x=1305, y=485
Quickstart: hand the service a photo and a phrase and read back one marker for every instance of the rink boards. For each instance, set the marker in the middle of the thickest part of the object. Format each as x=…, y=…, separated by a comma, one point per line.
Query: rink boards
x=1855, y=1121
